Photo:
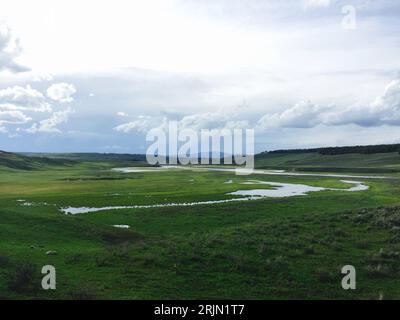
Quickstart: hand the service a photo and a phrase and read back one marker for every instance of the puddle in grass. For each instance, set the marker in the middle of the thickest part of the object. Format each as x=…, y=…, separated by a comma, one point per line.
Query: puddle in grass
x=291, y=189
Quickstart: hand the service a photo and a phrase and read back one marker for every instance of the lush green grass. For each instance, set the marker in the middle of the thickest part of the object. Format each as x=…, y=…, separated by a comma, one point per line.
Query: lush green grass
x=285, y=248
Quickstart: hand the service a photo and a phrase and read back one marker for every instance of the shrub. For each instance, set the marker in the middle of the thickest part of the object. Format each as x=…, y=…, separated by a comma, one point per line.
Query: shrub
x=379, y=270
x=150, y=260
x=362, y=244
x=24, y=277
x=309, y=250
x=104, y=260
x=83, y=293
x=76, y=258
x=278, y=263
x=3, y=261
x=122, y=250
x=336, y=246
x=262, y=249
x=242, y=264
x=324, y=276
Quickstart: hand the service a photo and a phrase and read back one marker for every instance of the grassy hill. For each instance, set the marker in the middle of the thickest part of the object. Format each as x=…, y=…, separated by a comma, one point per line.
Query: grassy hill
x=36, y=161
x=362, y=159
x=102, y=157
x=373, y=159
x=16, y=161
x=105, y=159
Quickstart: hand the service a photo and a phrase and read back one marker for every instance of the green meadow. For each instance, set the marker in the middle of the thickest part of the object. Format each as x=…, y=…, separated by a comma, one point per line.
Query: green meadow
x=270, y=248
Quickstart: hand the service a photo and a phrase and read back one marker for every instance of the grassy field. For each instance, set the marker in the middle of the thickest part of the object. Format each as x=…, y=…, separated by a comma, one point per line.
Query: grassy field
x=371, y=163
x=272, y=248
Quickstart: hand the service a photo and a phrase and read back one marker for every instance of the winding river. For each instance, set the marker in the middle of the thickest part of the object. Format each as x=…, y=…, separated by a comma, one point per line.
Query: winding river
x=278, y=190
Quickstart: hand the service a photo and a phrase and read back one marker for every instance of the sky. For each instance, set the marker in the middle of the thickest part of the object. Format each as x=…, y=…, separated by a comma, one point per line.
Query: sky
x=97, y=75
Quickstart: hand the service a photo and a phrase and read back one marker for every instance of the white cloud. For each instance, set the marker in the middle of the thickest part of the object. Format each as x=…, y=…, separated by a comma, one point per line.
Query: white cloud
x=143, y=124
x=40, y=77
x=238, y=124
x=13, y=117
x=121, y=114
x=303, y=114
x=205, y=120
x=61, y=92
x=301, y=49
x=211, y=120
x=229, y=118
x=223, y=118
x=50, y=125
x=384, y=110
x=23, y=98
x=316, y=3
x=10, y=49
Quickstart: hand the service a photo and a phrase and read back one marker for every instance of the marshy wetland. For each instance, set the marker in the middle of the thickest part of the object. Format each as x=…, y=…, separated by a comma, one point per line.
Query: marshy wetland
x=266, y=247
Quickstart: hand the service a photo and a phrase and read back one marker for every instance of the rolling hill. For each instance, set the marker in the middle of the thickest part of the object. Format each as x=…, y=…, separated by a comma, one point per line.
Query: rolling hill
x=20, y=162
x=373, y=159
x=376, y=158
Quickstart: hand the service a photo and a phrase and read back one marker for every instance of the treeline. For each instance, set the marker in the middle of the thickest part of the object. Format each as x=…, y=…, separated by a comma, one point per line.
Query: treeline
x=382, y=148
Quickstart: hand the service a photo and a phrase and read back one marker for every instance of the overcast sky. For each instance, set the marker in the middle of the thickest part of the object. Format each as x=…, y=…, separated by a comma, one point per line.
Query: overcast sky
x=95, y=76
